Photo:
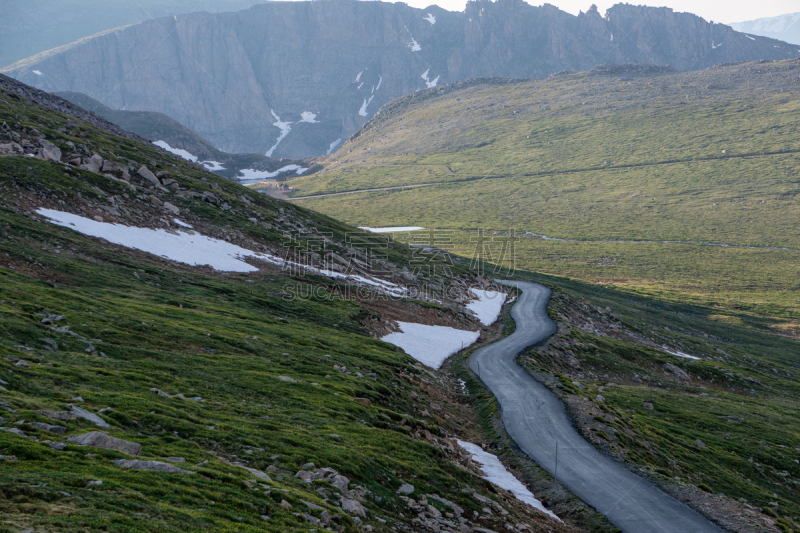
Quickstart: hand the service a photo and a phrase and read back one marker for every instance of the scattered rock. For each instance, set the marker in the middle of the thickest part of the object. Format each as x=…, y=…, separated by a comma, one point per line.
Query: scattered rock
x=59, y=446
x=47, y=427
x=50, y=152
x=97, y=439
x=175, y=210
x=353, y=507
x=677, y=371
x=176, y=459
x=151, y=465
x=406, y=489
x=22, y=363
x=149, y=176
x=51, y=343
x=286, y=378
x=700, y=444
x=58, y=415
x=91, y=417
x=8, y=457
x=600, y=398
x=648, y=406
x=363, y=401
x=258, y=473
x=17, y=431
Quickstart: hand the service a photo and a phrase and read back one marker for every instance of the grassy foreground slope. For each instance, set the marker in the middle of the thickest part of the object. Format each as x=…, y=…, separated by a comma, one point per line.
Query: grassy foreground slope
x=221, y=375
x=614, y=162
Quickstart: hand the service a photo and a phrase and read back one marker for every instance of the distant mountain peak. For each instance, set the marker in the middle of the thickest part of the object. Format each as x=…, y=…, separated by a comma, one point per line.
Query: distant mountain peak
x=228, y=79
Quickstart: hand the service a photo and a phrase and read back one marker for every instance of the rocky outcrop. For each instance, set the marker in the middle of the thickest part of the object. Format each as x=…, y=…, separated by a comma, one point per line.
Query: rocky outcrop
x=293, y=79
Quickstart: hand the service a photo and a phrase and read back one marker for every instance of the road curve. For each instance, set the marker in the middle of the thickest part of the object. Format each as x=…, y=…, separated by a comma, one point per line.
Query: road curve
x=536, y=419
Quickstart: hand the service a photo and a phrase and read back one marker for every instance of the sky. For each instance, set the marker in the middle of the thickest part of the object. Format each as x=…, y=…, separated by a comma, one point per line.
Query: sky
x=725, y=11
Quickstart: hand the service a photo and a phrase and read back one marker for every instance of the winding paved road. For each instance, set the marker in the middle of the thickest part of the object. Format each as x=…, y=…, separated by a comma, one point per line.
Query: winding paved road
x=536, y=419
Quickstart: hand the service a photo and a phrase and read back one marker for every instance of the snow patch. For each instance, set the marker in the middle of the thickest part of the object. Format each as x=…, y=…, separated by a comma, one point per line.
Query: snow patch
x=176, y=151
x=308, y=116
x=430, y=18
x=414, y=45
x=189, y=248
x=715, y=46
x=612, y=36
x=195, y=249
x=359, y=86
x=380, y=80
x=496, y=473
x=428, y=82
x=334, y=145
x=358, y=78
x=679, y=354
x=488, y=305
x=249, y=174
x=182, y=223
x=213, y=165
x=751, y=38
x=38, y=72
x=285, y=128
x=396, y=229
x=363, y=110
x=431, y=345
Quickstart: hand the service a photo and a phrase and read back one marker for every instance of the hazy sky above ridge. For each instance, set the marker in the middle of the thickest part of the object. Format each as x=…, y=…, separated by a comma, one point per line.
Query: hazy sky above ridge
x=716, y=10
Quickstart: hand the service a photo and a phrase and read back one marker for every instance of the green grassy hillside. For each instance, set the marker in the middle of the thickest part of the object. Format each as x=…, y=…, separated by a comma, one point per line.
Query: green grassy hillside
x=222, y=375
x=614, y=162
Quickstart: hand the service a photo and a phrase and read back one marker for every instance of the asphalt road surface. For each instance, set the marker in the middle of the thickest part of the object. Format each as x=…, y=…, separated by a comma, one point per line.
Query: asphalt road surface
x=536, y=420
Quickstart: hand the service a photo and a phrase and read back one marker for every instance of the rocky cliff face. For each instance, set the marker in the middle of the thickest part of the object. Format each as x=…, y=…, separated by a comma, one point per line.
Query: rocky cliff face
x=293, y=79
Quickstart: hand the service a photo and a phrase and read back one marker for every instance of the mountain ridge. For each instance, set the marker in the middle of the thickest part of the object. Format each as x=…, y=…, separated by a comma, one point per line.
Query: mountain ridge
x=303, y=87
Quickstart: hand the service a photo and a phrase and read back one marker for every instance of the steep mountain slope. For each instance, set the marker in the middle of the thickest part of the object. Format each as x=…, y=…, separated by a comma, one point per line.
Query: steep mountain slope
x=323, y=68
x=28, y=27
x=784, y=27
x=180, y=140
x=665, y=181
x=193, y=390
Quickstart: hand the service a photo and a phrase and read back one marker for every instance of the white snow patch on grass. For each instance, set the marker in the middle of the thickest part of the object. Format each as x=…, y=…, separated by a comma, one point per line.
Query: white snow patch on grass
x=182, y=223
x=334, y=145
x=308, y=116
x=414, y=45
x=679, y=354
x=285, y=128
x=213, y=165
x=249, y=174
x=176, y=151
x=363, y=110
x=38, y=72
x=496, y=473
x=189, y=248
x=488, y=305
x=396, y=229
x=431, y=345
x=430, y=18
x=428, y=82
x=195, y=249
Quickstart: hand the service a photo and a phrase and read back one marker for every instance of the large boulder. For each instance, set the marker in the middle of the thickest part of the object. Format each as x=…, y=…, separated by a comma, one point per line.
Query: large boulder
x=677, y=371
x=97, y=439
x=50, y=152
x=156, y=466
